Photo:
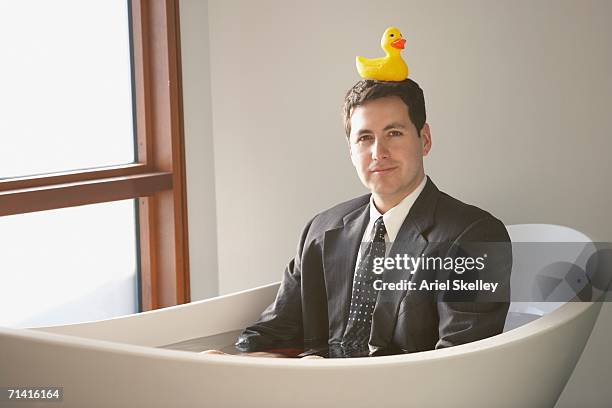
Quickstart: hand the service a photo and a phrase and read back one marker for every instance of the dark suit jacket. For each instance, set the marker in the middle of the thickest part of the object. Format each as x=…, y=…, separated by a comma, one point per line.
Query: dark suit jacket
x=312, y=305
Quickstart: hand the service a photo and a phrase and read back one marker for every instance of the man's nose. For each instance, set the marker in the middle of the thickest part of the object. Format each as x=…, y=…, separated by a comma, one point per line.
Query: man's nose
x=380, y=150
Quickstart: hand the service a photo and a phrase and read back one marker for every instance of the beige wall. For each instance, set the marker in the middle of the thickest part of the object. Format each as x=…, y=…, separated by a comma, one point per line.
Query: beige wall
x=518, y=95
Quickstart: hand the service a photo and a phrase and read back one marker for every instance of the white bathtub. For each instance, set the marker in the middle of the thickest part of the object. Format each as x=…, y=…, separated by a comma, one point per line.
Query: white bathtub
x=121, y=362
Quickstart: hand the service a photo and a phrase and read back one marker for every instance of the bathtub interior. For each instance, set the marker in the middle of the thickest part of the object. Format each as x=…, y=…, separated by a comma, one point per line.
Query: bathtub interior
x=223, y=342
x=216, y=323
x=519, y=314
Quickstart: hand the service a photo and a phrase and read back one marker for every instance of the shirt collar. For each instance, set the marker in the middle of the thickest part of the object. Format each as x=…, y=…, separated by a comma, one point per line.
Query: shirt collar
x=394, y=218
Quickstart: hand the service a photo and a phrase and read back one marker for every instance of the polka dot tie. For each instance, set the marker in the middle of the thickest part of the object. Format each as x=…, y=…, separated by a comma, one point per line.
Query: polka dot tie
x=363, y=297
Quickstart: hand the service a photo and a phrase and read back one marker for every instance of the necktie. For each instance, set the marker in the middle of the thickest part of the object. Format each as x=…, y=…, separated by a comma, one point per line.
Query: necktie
x=363, y=297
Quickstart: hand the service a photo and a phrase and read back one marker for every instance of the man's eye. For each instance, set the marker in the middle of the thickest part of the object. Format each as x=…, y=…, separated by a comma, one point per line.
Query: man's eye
x=395, y=133
x=364, y=138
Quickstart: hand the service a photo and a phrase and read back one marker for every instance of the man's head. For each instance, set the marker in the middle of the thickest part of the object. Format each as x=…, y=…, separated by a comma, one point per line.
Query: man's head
x=388, y=137
x=367, y=90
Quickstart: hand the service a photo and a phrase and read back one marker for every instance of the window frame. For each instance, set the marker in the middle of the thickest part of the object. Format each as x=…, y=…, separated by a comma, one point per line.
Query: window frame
x=156, y=179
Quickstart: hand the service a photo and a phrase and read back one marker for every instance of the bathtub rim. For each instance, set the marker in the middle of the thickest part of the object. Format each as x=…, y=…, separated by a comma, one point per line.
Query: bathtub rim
x=539, y=327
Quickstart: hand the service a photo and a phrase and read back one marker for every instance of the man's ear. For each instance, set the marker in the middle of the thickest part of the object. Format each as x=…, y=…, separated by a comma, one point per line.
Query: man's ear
x=426, y=139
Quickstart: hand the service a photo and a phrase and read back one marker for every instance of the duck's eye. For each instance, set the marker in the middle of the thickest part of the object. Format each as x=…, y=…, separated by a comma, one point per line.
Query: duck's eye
x=392, y=35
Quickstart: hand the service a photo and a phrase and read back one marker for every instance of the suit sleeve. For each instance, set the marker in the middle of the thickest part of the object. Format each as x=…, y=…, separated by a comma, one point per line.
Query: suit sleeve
x=466, y=316
x=280, y=324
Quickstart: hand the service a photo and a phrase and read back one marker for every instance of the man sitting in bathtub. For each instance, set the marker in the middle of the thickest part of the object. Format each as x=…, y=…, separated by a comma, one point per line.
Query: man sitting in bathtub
x=332, y=301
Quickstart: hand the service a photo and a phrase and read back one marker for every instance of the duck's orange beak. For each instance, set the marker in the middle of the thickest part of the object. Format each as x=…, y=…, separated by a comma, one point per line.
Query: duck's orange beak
x=399, y=43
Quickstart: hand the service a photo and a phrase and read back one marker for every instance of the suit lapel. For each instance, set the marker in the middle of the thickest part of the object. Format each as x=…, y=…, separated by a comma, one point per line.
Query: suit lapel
x=410, y=240
x=340, y=248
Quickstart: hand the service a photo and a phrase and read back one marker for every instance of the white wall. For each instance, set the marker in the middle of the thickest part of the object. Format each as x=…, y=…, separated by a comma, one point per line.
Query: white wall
x=201, y=206
x=518, y=95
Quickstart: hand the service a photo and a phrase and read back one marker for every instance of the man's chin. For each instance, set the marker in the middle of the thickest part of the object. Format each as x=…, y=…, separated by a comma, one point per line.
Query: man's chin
x=388, y=192
x=384, y=192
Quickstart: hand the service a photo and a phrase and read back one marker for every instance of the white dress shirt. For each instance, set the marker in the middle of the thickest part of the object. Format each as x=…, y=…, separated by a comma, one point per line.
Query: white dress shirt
x=393, y=219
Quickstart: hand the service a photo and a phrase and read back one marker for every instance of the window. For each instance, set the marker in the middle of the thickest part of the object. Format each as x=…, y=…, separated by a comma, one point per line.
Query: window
x=68, y=265
x=92, y=181
x=69, y=103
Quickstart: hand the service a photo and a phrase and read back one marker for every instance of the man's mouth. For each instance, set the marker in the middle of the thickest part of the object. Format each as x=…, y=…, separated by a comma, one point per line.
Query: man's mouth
x=383, y=170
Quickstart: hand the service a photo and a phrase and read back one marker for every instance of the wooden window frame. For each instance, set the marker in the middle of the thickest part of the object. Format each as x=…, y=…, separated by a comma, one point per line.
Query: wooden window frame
x=156, y=179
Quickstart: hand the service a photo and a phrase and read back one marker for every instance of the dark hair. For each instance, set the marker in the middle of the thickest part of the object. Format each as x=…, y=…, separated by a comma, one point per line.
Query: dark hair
x=367, y=89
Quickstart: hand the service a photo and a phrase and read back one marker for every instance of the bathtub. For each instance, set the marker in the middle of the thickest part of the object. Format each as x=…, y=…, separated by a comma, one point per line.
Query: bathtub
x=149, y=360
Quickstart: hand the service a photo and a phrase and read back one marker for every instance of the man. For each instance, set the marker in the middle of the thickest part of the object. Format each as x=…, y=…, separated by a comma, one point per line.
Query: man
x=331, y=302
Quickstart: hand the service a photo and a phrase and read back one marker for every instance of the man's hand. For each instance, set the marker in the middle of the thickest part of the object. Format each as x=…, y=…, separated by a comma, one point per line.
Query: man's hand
x=264, y=354
x=259, y=354
x=252, y=354
x=209, y=352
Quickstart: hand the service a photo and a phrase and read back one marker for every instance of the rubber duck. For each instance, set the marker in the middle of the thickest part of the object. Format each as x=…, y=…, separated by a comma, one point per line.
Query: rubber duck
x=391, y=67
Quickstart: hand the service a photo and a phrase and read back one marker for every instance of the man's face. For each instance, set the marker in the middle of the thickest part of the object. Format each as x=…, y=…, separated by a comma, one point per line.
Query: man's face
x=386, y=149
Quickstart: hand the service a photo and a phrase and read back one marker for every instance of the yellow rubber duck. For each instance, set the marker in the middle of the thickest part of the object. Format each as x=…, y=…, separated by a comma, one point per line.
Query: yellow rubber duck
x=391, y=67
